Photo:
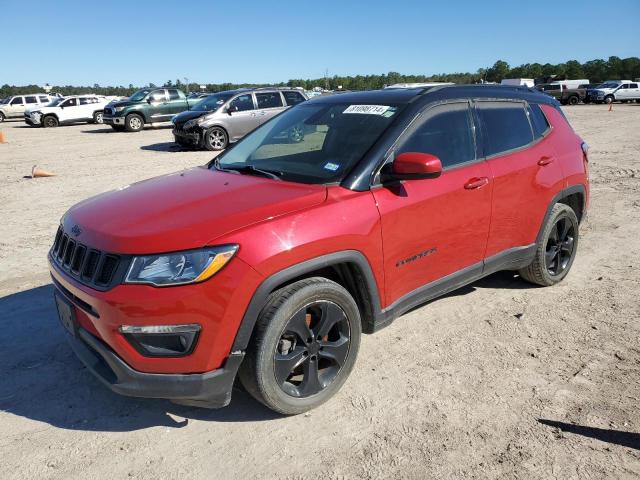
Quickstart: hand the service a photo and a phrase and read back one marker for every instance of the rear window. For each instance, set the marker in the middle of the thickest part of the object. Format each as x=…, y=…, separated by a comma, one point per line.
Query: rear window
x=293, y=98
x=505, y=126
x=269, y=100
x=539, y=122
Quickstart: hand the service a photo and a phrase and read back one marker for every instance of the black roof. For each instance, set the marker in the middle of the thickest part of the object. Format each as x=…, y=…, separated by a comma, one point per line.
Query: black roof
x=440, y=92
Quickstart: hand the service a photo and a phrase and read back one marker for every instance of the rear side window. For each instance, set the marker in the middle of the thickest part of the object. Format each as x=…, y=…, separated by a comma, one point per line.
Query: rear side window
x=293, y=98
x=446, y=132
x=44, y=99
x=269, y=100
x=633, y=85
x=505, y=126
x=85, y=101
x=31, y=99
x=539, y=122
x=175, y=95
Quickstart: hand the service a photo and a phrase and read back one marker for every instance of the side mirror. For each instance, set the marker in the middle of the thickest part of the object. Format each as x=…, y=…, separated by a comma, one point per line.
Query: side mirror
x=231, y=109
x=149, y=100
x=413, y=166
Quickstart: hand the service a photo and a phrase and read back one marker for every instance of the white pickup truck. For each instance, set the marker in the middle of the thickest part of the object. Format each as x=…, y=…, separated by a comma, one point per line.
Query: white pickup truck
x=615, y=91
x=67, y=110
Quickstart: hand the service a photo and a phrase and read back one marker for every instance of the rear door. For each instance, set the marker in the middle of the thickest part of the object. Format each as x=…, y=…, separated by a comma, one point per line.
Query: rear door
x=177, y=101
x=242, y=116
x=634, y=91
x=86, y=108
x=526, y=173
x=269, y=105
x=30, y=101
x=436, y=227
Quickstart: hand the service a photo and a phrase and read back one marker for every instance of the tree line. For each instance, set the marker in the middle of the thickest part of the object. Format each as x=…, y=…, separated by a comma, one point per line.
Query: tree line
x=595, y=71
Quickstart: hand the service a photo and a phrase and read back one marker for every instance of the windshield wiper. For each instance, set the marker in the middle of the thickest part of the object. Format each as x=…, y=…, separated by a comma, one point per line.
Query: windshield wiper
x=248, y=169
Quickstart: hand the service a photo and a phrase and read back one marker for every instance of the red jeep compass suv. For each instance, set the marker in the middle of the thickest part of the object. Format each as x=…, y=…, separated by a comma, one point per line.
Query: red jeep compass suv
x=270, y=262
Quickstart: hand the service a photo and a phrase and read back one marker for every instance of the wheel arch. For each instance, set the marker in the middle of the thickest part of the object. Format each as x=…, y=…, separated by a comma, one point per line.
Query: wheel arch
x=573, y=196
x=348, y=268
x=137, y=112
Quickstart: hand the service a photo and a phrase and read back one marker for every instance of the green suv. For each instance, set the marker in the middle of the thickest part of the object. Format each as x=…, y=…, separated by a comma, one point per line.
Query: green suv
x=146, y=106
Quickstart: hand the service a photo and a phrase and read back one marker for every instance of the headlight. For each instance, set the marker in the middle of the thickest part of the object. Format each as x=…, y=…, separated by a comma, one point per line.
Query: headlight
x=192, y=123
x=119, y=109
x=179, y=268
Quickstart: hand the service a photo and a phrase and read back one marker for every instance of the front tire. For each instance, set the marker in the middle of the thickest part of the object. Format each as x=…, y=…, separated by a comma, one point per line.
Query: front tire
x=215, y=139
x=133, y=122
x=574, y=100
x=49, y=121
x=97, y=118
x=304, y=346
x=557, y=250
x=608, y=99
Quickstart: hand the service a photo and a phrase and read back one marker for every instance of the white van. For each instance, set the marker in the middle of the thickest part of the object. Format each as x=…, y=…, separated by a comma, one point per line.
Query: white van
x=518, y=82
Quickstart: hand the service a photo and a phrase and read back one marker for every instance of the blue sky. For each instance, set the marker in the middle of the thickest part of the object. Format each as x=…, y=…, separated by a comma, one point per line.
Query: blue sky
x=120, y=42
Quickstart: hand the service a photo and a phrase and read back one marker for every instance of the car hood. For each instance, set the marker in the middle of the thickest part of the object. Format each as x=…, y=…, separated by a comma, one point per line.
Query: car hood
x=184, y=210
x=123, y=103
x=188, y=115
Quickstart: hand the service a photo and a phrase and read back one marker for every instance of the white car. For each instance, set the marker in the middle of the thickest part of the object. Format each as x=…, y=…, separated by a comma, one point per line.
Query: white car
x=15, y=106
x=63, y=111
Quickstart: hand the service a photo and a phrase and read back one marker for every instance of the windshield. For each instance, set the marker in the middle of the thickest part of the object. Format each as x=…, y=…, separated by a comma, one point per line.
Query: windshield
x=139, y=95
x=311, y=143
x=608, y=85
x=54, y=102
x=212, y=102
x=4, y=100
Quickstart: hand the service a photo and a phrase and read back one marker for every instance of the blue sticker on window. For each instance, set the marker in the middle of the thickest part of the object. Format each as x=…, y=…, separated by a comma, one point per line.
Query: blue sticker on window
x=331, y=166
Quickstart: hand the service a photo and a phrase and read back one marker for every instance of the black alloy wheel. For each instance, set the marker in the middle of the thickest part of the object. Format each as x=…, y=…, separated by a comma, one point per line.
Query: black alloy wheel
x=312, y=349
x=559, y=248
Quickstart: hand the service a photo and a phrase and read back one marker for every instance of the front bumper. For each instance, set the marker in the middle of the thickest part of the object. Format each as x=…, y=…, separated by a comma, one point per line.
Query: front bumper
x=208, y=390
x=191, y=137
x=32, y=120
x=111, y=120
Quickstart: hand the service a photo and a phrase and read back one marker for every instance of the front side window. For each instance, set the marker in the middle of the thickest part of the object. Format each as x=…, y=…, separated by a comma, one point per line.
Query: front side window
x=311, y=143
x=71, y=102
x=140, y=95
x=158, y=96
x=17, y=101
x=293, y=98
x=212, y=102
x=241, y=103
x=539, y=122
x=505, y=126
x=446, y=131
x=269, y=100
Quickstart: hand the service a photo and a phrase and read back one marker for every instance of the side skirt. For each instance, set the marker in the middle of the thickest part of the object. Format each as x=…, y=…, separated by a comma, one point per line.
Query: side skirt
x=512, y=259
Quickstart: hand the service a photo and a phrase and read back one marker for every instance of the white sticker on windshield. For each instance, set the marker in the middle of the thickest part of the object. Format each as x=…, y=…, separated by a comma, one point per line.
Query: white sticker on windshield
x=367, y=109
x=331, y=166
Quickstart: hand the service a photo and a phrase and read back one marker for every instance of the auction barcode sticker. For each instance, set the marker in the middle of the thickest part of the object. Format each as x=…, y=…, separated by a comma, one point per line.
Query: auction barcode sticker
x=367, y=109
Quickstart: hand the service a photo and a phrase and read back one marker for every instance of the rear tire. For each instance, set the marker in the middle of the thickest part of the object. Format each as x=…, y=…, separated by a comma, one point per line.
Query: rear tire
x=304, y=346
x=49, y=121
x=133, y=123
x=557, y=249
x=2, y=117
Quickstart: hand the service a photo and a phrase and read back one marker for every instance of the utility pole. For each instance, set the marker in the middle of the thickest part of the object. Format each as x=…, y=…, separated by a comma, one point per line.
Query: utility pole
x=186, y=82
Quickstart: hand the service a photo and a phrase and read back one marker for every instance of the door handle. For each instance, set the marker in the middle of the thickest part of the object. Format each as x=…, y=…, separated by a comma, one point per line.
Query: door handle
x=476, y=182
x=545, y=161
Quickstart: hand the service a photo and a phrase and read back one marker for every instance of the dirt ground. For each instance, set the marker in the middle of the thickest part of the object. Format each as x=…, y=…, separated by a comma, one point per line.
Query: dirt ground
x=497, y=380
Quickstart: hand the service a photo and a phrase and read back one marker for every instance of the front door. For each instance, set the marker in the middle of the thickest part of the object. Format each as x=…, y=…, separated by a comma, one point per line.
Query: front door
x=69, y=109
x=16, y=107
x=242, y=116
x=436, y=227
x=159, y=109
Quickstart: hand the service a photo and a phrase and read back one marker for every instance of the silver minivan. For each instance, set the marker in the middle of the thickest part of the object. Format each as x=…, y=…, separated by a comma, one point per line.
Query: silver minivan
x=15, y=106
x=225, y=117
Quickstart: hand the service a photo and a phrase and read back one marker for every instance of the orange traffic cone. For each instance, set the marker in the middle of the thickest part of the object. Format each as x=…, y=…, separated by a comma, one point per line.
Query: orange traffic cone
x=2, y=140
x=39, y=172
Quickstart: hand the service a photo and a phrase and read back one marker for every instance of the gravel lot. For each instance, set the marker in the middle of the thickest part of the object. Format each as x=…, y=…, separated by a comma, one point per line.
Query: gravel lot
x=497, y=380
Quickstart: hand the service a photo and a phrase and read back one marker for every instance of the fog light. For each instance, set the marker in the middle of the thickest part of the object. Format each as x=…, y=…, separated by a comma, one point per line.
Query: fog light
x=162, y=340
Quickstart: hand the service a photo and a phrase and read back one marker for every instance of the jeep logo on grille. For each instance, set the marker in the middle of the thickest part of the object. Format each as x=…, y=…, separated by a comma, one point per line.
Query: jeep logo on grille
x=76, y=230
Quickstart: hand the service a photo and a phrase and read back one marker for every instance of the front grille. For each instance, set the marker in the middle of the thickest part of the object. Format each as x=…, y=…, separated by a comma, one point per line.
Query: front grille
x=89, y=266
